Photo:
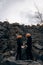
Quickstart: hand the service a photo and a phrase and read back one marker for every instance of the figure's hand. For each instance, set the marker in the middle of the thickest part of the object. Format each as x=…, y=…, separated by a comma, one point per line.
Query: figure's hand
x=22, y=46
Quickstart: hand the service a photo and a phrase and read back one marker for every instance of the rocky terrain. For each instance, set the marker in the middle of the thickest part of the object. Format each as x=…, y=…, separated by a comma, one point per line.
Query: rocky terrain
x=8, y=44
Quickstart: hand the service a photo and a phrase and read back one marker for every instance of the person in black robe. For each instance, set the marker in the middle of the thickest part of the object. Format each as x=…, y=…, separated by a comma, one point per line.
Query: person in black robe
x=29, y=47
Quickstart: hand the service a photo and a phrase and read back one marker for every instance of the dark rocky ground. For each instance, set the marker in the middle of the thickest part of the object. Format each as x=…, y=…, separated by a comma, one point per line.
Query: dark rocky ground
x=8, y=44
